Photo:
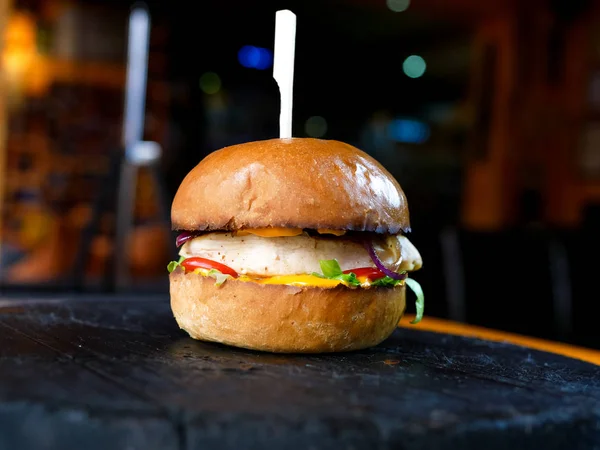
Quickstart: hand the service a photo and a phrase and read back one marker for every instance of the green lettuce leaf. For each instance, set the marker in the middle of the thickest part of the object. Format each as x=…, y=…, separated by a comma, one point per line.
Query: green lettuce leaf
x=174, y=264
x=386, y=282
x=331, y=269
x=420, y=301
x=219, y=276
x=216, y=274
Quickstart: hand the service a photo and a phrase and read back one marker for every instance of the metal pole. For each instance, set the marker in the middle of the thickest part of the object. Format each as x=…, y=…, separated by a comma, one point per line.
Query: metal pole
x=133, y=131
x=137, y=70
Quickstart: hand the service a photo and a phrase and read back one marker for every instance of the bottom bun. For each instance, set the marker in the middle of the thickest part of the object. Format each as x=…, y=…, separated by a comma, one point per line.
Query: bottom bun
x=282, y=318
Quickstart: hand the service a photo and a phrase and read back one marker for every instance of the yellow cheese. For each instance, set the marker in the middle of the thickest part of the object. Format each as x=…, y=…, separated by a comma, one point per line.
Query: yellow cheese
x=271, y=232
x=334, y=232
x=298, y=280
x=279, y=232
x=291, y=280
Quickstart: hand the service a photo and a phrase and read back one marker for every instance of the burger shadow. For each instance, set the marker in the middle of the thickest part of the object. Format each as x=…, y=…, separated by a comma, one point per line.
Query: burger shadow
x=192, y=349
x=232, y=358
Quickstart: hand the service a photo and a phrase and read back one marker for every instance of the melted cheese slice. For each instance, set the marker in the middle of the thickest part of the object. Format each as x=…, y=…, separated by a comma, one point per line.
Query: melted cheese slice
x=295, y=280
x=280, y=232
x=270, y=232
x=290, y=280
x=334, y=232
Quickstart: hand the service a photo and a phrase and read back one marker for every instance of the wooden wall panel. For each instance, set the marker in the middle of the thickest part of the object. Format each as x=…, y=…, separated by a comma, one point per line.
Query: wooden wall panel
x=488, y=184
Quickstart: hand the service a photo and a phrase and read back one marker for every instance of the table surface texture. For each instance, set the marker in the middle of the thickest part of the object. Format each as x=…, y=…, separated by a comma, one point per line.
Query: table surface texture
x=117, y=373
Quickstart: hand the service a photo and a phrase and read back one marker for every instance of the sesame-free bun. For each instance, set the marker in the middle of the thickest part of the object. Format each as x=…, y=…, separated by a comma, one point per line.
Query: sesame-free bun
x=291, y=183
x=283, y=318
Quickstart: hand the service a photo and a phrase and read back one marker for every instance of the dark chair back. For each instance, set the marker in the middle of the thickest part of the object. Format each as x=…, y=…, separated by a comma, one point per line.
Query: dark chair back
x=515, y=281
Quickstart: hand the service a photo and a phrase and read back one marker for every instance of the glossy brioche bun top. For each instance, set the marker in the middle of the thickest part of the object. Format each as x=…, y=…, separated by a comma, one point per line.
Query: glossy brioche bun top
x=290, y=183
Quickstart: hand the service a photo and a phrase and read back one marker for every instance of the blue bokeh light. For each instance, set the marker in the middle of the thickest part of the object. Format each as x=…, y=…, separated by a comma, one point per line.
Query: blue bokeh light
x=265, y=60
x=253, y=57
x=409, y=131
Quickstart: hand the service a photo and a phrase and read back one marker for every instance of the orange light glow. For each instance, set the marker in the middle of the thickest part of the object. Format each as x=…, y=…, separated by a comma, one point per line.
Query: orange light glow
x=23, y=66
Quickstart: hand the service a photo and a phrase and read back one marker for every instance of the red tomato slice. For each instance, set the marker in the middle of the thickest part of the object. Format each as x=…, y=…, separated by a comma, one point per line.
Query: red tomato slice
x=195, y=262
x=371, y=273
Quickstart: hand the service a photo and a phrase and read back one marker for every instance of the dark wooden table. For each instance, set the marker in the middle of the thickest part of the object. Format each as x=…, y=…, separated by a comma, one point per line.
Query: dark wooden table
x=116, y=373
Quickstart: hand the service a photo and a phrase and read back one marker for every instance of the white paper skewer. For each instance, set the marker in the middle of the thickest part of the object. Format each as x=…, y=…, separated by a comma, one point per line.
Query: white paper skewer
x=283, y=67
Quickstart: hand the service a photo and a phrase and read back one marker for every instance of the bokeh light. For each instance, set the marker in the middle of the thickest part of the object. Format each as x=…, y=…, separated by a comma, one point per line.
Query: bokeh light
x=253, y=57
x=398, y=5
x=265, y=60
x=414, y=66
x=248, y=56
x=210, y=83
x=409, y=131
x=315, y=126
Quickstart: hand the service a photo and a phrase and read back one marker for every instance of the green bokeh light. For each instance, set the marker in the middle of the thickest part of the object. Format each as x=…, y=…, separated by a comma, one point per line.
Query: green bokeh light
x=414, y=66
x=398, y=5
x=210, y=83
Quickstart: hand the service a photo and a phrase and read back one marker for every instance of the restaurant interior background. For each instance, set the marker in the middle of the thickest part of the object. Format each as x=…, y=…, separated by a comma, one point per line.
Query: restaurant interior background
x=488, y=114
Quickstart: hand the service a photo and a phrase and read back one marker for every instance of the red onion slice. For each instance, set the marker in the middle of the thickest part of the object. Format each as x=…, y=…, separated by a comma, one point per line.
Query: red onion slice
x=184, y=237
x=380, y=265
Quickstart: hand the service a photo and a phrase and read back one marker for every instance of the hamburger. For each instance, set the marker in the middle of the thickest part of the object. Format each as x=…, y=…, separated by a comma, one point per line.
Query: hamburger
x=292, y=245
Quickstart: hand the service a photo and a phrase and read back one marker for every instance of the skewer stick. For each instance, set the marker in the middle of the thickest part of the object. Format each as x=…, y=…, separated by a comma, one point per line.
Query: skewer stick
x=283, y=67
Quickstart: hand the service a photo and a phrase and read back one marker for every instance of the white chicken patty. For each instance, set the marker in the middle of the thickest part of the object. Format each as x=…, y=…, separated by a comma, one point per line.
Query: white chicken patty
x=296, y=255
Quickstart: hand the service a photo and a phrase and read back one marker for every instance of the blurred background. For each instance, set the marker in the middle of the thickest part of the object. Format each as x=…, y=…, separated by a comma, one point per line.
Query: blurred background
x=488, y=114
